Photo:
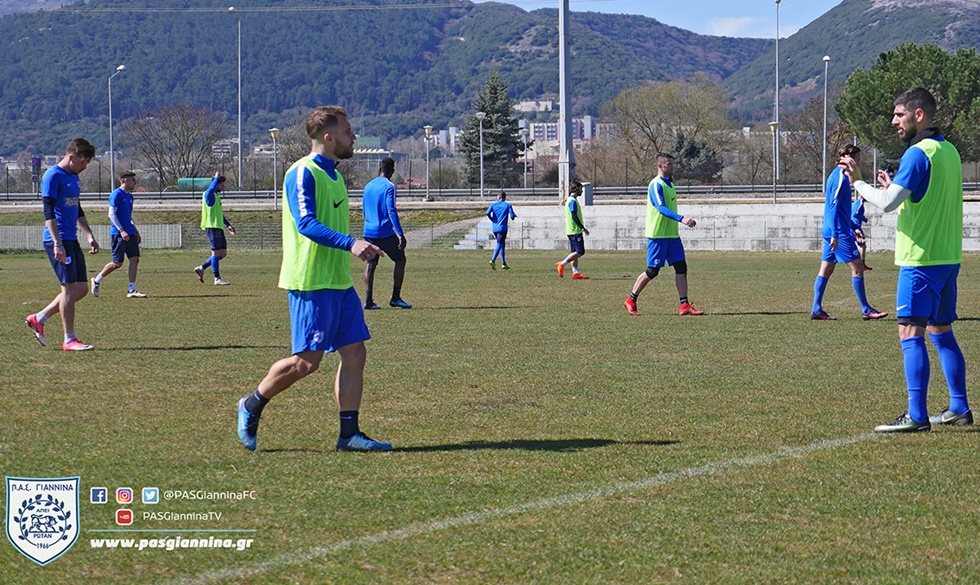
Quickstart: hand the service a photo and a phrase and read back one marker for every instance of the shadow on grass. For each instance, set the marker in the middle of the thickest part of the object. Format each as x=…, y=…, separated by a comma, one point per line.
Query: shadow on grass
x=562, y=446
x=760, y=313
x=199, y=348
x=200, y=296
x=488, y=307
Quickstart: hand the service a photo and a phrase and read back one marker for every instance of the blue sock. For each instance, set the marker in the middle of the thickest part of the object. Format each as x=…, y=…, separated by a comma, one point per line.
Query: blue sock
x=213, y=260
x=858, y=283
x=954, y=367
x=917, y=376
x=206, y=263
x=496, y=252
x=503, y=256
x=819, y=286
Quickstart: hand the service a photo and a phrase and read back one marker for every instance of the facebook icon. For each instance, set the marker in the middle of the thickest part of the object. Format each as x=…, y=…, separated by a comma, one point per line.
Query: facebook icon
x=100, y=495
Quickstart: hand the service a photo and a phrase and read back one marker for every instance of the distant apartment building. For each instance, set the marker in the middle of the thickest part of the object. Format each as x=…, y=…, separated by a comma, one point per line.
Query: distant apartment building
x=529, y=106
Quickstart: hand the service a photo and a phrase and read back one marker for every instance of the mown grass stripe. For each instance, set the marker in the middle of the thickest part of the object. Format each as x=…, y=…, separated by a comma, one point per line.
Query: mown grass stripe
x=299, y=557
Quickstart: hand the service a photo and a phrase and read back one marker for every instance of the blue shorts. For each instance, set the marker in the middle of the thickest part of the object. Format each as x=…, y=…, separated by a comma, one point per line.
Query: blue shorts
x=927, y=294
x=660, y=250
x=576, y=243
x=501, y=237
x=847, y=250
x=121, y=248
x=217, y=238
x=73, y=269
x=326, y=319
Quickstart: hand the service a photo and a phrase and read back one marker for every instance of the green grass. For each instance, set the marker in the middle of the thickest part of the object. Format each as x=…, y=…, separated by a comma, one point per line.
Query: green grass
x=542, y=435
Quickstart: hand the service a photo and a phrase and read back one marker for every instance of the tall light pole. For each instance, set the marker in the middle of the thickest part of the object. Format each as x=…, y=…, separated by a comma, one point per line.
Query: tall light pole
x=777, y=87
x=826, y=65
x=524, y=138
x=774, y=126
x=232, y=9
x=566, y=152
x=274, y=132
x=112, y=152
x=480, y=116
x=428, y=133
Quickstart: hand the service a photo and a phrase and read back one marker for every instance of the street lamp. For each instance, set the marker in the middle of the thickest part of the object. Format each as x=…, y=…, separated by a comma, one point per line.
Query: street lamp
x=524, y=138
x=428, y=133
x=232, y=9
x=112, y=152
x=776, y=156
x=275, y=169
x=826, y=64
x=480, y=116
x=774, y=126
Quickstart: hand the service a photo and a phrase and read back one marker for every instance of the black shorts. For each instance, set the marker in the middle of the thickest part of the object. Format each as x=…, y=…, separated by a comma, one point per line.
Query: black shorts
x=501, y=237
x=73, y=269
x=121, y=248
x=389, y=246
x=217, y=238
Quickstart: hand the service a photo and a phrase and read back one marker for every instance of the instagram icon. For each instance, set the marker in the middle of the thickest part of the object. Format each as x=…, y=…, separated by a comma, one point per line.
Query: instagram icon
x=124, y=495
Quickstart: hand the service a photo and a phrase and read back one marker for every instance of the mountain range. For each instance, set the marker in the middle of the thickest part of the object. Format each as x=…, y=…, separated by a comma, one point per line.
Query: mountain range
x=397, y=66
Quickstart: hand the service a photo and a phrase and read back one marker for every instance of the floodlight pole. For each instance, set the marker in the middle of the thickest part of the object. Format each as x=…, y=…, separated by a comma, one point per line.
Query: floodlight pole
x=777, y=86
x=112, y=152
x=480, y=116
x=566, y=155
x=826, y=65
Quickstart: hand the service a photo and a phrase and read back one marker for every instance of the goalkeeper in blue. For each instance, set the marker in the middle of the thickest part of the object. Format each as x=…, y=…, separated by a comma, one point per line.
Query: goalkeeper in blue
x=840, y=242
x=324, y=309
x=500, y=212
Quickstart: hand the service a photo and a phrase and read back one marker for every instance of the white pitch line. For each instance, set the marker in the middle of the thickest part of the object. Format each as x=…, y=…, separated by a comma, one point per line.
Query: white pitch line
x=299, y=557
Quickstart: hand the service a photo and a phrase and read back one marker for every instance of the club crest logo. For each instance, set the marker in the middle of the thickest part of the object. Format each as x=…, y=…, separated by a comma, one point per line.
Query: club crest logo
x=42, y=516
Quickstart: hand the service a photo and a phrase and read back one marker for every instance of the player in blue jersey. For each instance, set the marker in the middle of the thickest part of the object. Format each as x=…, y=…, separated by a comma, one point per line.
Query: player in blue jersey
x=499, y=213
x=840, y=242
x=663, y=238
x=858, y=219
x=125, y=237
x=927, y=191
x=325, y=312
x=213, y=222
x=576, y=231
x=63, y=217
x=383, y=229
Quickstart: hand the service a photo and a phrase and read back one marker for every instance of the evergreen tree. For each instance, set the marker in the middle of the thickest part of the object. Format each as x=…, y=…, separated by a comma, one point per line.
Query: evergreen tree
x=695, y=161
x=502, y=144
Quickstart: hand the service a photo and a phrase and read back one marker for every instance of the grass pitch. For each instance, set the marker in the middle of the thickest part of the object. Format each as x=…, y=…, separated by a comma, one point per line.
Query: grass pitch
x=541, y=434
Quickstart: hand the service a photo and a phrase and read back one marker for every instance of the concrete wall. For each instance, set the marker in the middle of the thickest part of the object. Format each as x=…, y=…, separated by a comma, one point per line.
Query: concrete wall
x=784, y=226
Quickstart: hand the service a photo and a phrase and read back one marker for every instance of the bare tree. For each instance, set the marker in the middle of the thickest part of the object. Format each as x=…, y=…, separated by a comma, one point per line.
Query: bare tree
x=649, y=118
x=803, y=130
x=176, y=141
x=751, y=162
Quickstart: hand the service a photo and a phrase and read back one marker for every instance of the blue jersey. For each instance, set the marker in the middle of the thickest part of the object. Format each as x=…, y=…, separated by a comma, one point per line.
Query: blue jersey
x=858, y=218
x=499, y=213
x=380, y=216
x=913, y=173
x=62, y=189
x=299, y=187
x=837, y=206
x=122, y=201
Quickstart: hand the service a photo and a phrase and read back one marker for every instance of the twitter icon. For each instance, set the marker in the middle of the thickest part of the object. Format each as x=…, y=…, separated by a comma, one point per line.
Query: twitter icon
x=151, y=495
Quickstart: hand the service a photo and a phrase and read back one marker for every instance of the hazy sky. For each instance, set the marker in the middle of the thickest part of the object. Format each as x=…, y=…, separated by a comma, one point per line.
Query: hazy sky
x=745, y=18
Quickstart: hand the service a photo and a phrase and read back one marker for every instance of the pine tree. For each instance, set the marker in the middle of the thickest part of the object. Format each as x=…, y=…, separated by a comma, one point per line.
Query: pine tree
x=502, y=144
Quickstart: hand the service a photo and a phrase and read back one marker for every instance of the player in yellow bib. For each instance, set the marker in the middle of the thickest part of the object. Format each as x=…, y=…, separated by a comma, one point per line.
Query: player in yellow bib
x=663, y=238
x=927, y=191
x=325, y=311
